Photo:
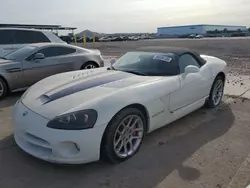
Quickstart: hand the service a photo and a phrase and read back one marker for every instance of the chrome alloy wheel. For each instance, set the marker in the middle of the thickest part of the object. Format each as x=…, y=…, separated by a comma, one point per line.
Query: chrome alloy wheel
x=90, y=66
x=128, y=136
x=217, y=92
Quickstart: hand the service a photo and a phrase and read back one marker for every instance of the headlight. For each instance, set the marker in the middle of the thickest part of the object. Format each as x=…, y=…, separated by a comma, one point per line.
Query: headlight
x=84, y=119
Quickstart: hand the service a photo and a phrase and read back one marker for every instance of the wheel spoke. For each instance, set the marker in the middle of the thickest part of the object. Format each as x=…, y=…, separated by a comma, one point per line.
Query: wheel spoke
x=219, y=84
x=136, y=137
x=123, y=129
x=123, y=125
x=220, y=94
x=137, y=130
x=120, y=147
x=129, y=122
x=121, y=132
x=118, y=141
x=134, y=123
x=217, y=87
x=125, y=148
x=131, y=145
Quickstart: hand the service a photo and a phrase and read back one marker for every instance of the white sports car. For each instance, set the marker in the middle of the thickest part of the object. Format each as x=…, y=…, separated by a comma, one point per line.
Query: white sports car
x=81, y=116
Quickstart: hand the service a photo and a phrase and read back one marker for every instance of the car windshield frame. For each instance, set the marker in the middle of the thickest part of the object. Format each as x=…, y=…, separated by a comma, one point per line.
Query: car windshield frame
x=148, y=63
x=21, y=53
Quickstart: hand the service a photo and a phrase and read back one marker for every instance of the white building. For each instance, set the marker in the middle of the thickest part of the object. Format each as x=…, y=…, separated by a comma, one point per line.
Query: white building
x=197, y=29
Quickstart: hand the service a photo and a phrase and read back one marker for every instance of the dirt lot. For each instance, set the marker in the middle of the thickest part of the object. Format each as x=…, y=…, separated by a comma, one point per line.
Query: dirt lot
x=205, y=149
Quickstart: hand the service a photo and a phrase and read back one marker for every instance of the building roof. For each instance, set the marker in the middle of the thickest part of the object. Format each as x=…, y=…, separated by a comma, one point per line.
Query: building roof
x=201, y=26
x=32, y=26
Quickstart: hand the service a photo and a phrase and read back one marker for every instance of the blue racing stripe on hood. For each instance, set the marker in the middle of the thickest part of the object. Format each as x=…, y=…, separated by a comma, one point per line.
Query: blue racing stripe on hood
x=87, y=85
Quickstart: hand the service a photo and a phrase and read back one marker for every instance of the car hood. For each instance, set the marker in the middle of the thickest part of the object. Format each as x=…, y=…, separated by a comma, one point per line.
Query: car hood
x=57, y=94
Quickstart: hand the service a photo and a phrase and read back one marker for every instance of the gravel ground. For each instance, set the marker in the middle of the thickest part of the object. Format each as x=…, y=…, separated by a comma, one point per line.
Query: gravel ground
x=205, y=149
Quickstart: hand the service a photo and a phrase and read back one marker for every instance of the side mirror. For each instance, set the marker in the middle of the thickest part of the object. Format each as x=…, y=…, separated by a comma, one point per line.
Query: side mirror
x=112, y=61
x=191, y=69
x=39, y=56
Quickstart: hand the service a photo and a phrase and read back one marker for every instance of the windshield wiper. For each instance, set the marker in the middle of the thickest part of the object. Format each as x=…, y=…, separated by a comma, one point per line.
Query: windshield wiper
x=135, y=72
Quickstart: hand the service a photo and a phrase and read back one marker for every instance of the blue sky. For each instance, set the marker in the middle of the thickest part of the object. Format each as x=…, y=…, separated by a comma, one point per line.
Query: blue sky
x=125, y=15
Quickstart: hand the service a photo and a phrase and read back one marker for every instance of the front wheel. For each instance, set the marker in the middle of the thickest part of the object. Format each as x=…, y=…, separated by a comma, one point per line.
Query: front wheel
x=124, y=135
x=216, y=92
x=3, y=89
x=89, y=65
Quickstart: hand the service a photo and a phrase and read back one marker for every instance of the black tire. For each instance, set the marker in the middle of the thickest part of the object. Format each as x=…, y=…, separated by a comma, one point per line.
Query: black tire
x=210, y=103
x=3, y=88
x=89, y=65
x=108, y=151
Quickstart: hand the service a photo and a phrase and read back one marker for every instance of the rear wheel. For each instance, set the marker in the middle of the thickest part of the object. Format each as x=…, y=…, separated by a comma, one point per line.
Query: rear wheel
x=89, y=65
x=3, y=89
x=216, y=92
x=124, y=135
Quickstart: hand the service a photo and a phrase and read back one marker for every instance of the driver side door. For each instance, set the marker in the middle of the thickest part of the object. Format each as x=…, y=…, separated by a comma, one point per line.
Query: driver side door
x=194, y=86
x=37, y=69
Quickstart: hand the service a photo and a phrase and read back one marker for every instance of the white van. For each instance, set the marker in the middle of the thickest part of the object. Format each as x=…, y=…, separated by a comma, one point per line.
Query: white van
x=14, y=38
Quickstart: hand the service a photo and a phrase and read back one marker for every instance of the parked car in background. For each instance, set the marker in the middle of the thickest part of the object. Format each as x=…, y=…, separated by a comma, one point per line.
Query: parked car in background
x=125, y=38
x=199, y=36
x=105, y=39
x=91, y=39
x=67, y=39
x=31, y=63
x=192, y=36
x=14, y=38
x=88, y=39
x=79, y=39
x=133, y=38
x=116, y=39
x=143, y=37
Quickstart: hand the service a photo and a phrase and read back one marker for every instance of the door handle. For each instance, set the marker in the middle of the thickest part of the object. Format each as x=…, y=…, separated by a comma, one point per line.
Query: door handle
x=14, y=70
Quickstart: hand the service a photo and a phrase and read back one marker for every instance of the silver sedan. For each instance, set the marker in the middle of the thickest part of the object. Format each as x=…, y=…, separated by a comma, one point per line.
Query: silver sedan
x=29, y=64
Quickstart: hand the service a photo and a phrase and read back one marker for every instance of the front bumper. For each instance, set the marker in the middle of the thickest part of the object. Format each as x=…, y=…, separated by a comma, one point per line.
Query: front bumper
x=59, y=146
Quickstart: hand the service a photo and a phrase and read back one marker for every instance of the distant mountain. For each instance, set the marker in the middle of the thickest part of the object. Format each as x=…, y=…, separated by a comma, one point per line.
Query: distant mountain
x=89, y=33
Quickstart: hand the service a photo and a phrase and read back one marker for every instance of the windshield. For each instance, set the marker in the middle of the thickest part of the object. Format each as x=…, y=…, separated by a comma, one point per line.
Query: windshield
x=148, y=63
x=20, y=54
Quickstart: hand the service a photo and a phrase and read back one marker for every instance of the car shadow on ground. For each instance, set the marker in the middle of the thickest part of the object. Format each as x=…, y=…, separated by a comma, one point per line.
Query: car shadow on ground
x=162, y=152
x=10, y=100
